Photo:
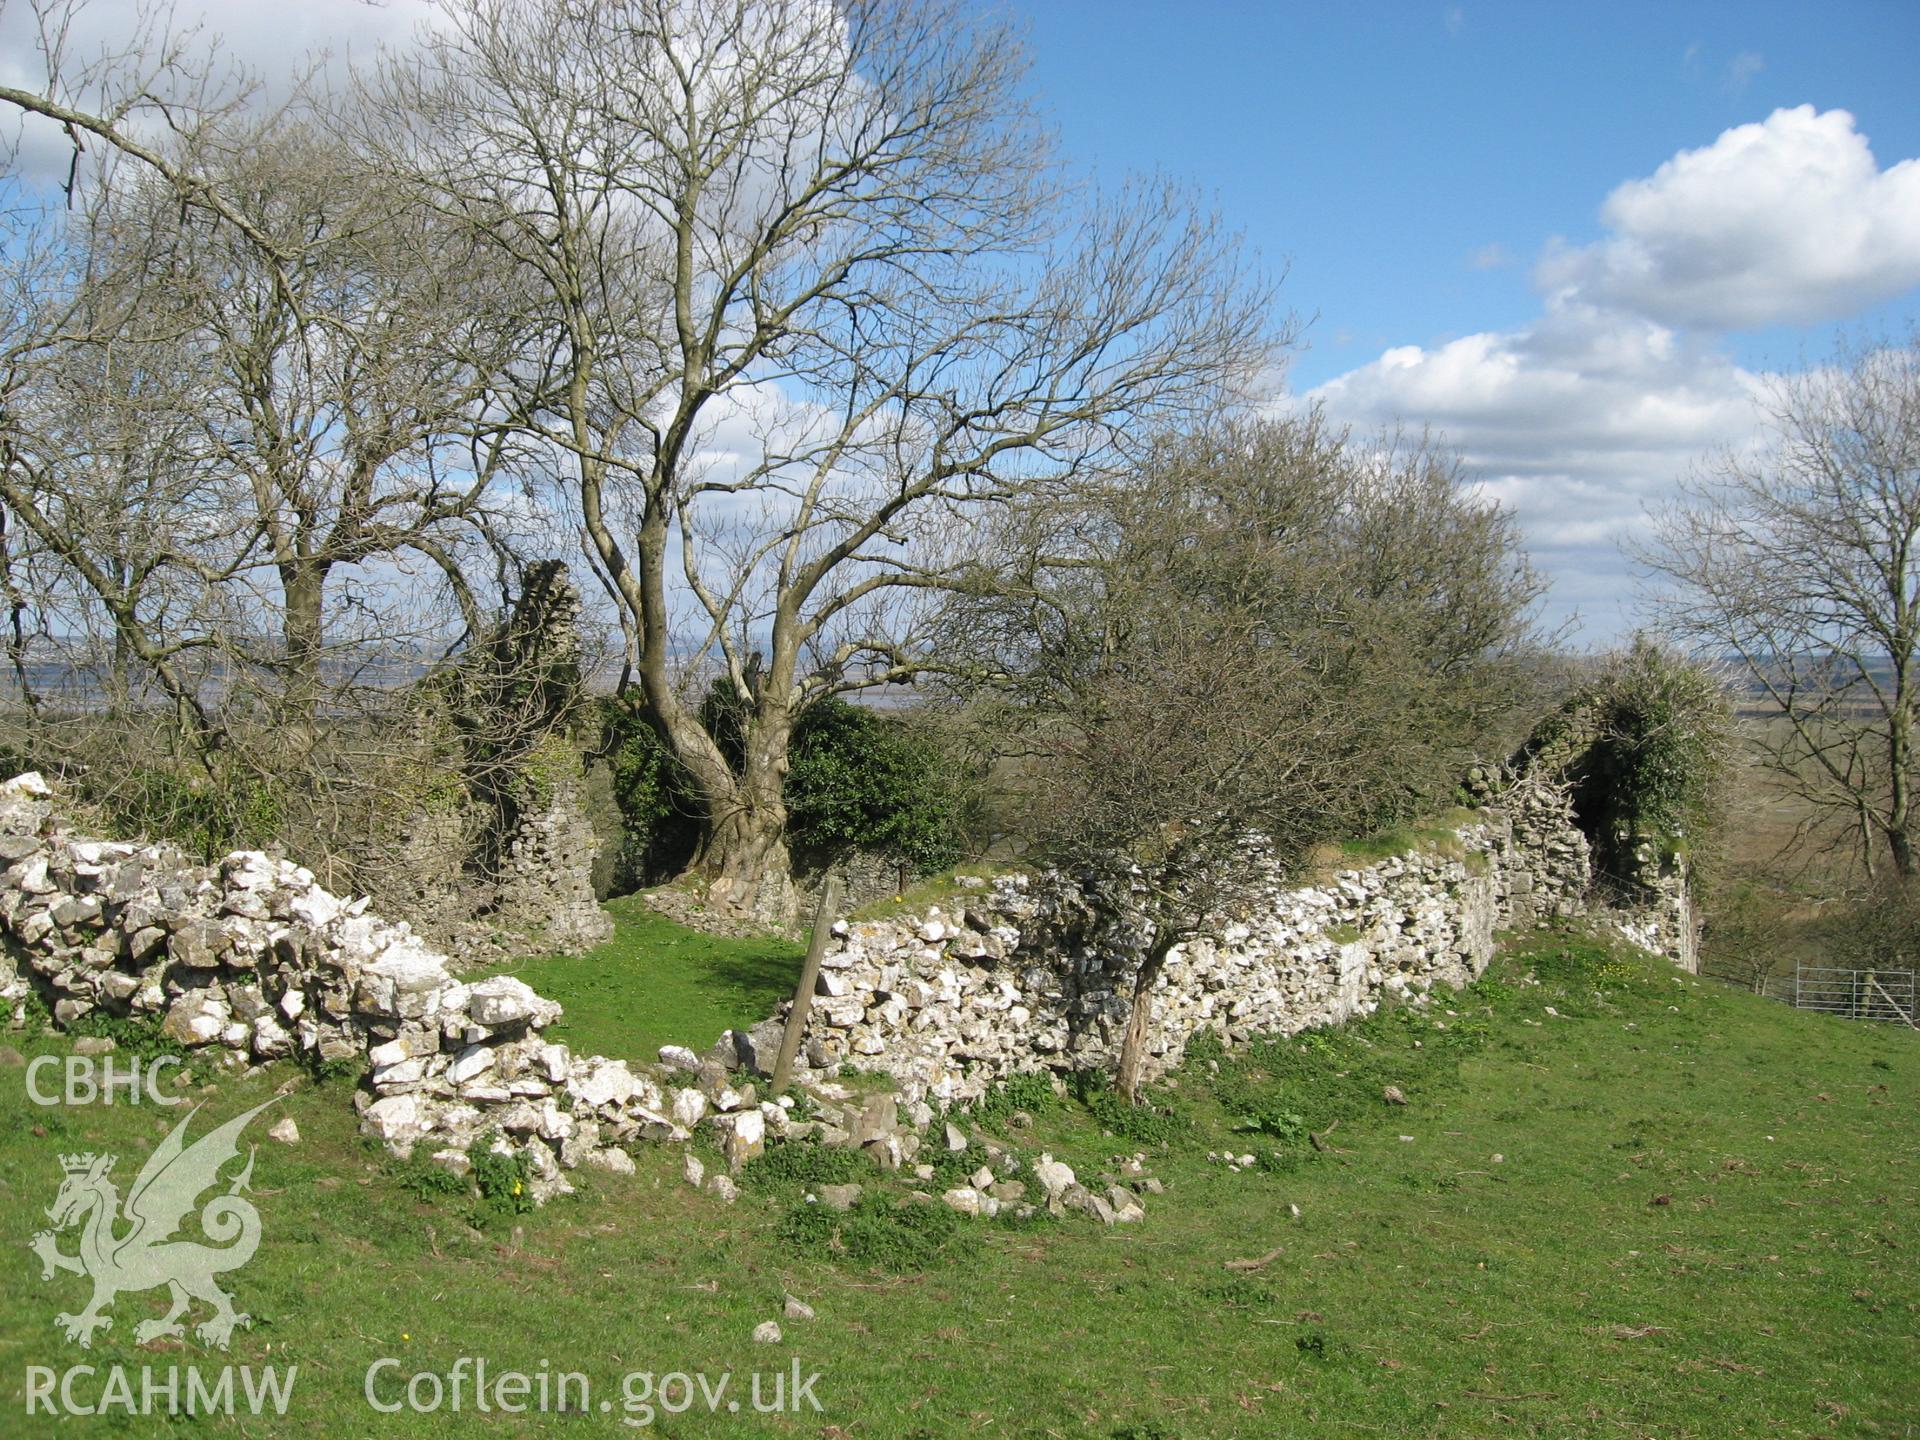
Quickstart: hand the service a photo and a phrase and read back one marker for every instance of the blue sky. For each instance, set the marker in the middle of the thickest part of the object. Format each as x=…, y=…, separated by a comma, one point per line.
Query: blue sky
x=1381, y=149
x=1412, y=165
x=1575, y=239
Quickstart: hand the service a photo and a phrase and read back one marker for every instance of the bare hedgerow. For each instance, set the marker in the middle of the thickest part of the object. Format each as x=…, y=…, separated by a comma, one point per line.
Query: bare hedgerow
x=1797, y=565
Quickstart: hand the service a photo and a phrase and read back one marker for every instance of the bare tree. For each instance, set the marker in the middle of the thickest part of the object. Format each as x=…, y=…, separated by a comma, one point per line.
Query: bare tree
x=1267, y=636
x=141, y=99
x=347, y=408
x=1798, y=565
x=815, y=293
x=249, y=460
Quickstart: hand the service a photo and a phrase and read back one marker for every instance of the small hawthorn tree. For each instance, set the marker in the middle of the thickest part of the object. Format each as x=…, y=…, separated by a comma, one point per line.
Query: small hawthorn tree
x=1265, y=636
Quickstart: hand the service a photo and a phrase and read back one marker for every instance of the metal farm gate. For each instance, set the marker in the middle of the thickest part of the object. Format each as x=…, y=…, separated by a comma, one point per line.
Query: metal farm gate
x=1857, y=994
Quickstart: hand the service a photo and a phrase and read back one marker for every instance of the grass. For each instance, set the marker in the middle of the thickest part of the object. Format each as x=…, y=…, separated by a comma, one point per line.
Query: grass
x=943, y=889
x=1702, y=1223
x=657, y=983
x=1434, y=835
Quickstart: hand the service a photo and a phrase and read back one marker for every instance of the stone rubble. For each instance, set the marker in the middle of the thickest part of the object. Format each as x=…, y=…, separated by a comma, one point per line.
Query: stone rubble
x=251, y=960
x=1034, y=974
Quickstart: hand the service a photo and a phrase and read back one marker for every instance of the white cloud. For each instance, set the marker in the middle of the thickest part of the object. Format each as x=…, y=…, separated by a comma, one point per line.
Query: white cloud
x=1581, y=420
x=1789, y=220
x=1741, y=71
x=1574, y=423
x=266, y=40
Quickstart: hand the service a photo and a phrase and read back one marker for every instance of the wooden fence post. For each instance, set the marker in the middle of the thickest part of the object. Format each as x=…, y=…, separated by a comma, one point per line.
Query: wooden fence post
x=809, y=977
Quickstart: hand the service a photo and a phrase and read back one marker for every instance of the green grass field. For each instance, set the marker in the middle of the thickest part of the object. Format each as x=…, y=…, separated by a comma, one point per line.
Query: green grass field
x=1701, y=1222
x=657, y=983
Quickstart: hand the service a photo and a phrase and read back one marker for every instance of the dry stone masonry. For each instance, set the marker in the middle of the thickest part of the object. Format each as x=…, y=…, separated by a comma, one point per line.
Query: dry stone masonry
x=494, y=852
x=251, y=960
x=1031, y=974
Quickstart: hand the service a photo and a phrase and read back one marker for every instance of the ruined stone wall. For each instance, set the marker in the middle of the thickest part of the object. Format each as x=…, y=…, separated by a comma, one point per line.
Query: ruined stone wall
x=545, y=890
x=1024, y=975
x=1658, y=913
x=497, y=856
x=251, y=960
x=1646, y=882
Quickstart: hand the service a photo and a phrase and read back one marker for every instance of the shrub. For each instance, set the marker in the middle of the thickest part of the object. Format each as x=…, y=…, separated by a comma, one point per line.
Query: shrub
x=658, y=828
x=800, y=1164
x=1882, y=929
x=1144, y=1124
x=1032, y=1092
x=208, y=816
x=1287, y=1126
x=137, y=1036
x=863, y=781
x=1204, y=1045
x=425, y=1180
x=857, y=780
x=505, y=1181
x=953, y=1168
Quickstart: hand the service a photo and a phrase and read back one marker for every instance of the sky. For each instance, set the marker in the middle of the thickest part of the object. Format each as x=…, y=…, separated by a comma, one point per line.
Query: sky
x=1573, y=239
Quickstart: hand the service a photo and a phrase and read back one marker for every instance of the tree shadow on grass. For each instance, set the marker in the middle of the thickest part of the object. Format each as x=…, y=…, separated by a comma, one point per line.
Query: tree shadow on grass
x=764, y=974
x=658, y=983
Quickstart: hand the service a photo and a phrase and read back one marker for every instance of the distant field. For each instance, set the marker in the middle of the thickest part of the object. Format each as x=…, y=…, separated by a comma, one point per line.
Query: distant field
x=1619, y=1203
x=1794, y=893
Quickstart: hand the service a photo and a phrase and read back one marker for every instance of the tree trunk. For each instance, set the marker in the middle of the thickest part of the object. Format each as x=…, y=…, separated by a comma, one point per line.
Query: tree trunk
x=1129, y=1072
x=1900, y=779
x=745, y=857
x=303, y=585
x=746, y=846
